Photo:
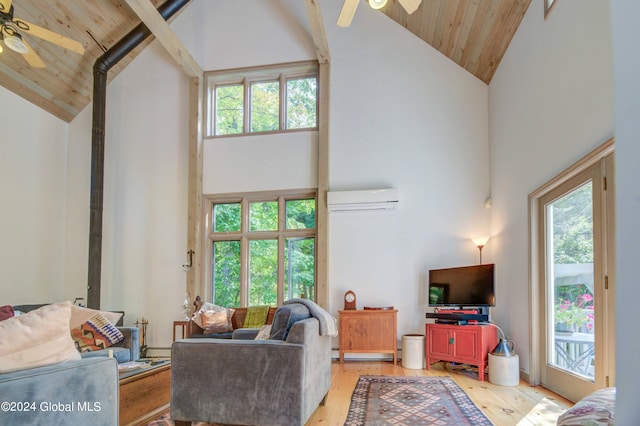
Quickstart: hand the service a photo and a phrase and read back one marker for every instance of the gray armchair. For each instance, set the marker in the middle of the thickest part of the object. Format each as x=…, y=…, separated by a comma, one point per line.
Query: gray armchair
x=251, y=382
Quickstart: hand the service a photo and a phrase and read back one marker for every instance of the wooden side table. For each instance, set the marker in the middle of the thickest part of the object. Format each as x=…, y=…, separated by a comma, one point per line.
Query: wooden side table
x=144, y=394
x=184, y=326
x=368, y=331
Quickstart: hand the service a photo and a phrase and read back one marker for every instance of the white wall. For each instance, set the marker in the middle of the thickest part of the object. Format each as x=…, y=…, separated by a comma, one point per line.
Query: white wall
x=269, y=162
x=550, y=103
x=627, y=92
x=403, y=116
x=145, y=193
x=33, y=165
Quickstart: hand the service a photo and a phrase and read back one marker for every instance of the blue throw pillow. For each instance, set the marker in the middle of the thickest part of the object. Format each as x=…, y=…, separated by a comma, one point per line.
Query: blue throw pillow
x=284, y=318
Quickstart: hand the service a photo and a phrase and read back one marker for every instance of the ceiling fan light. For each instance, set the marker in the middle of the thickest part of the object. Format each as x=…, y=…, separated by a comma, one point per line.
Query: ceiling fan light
x=14, y=42
x=377, y=4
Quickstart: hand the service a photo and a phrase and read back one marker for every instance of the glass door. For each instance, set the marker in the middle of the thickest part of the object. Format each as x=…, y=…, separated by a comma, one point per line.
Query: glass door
x=575, y=317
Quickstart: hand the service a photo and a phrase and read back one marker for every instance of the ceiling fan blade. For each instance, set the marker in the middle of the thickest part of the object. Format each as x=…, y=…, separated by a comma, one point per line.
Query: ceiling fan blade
x=5, y=6
x=346, y=14
x=410, y=5
x=49, y=36
x=32, y=58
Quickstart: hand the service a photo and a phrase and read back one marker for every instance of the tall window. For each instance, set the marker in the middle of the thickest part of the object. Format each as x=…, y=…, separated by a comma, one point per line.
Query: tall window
x=573, y=222
x=262, y=248
x=257, y=100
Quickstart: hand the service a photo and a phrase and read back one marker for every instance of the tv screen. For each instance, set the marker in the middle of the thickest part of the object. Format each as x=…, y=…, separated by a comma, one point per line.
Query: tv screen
x=462, y=286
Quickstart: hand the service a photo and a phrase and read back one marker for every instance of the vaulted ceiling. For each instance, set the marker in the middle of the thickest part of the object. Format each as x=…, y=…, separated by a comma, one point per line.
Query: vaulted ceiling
x=473, y=33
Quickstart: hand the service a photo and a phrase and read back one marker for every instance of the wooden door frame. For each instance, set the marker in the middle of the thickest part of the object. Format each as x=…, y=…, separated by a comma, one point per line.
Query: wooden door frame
x=535, y=275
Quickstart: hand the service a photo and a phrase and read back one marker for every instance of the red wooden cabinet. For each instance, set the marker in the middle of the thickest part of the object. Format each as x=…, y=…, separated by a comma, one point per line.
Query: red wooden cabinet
x=466, y=344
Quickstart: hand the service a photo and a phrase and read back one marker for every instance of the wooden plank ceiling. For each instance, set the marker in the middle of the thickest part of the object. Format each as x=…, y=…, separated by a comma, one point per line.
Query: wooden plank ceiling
x=473, y=33
x=65, y=86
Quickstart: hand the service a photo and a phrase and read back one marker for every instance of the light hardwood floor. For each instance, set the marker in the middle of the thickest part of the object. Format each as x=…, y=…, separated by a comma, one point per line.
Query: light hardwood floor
x=504, y=405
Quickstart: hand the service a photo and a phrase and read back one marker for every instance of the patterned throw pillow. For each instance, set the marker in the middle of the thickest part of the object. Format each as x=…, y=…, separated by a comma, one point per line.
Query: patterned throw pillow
x=264, y=333
x=217, y=321
x=597, y=409
x=95, y=334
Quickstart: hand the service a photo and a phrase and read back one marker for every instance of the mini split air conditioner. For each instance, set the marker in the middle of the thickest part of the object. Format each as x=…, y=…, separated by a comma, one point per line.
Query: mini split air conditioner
x=367, y=200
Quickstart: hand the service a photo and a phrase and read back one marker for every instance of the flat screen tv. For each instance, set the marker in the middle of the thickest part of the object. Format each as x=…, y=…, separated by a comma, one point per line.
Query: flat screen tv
x=462, y=286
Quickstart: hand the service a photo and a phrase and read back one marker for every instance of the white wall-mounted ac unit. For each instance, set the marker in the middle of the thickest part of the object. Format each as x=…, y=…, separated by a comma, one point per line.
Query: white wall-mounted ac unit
x=367, y=200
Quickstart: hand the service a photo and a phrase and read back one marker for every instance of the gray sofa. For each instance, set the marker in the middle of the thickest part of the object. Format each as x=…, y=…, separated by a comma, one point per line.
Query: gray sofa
x=82, y=392
x=123, y=351
x=252, y=382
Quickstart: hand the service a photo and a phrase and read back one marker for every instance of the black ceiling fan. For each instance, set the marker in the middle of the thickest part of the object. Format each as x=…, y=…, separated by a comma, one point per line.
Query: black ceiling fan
x=12, y=30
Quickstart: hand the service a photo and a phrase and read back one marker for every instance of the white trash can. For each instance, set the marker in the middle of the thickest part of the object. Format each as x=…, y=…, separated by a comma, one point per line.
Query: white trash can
x=413, y=351
x=504, y=370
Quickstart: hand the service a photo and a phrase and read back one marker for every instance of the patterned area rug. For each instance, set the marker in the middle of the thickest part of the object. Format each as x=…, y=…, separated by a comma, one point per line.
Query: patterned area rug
x=165, y=421
x=410, y=400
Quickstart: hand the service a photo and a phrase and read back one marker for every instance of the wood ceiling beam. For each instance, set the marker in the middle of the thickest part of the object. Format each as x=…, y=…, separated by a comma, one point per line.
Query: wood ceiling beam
x=317, y=31
x=147, y=12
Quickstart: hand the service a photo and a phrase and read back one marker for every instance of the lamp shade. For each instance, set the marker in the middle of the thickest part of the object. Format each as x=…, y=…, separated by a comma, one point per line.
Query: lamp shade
x=13, y=40
x=480, y=241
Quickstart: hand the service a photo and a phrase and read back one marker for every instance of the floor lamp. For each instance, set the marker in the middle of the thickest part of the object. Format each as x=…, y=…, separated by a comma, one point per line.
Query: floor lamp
x=480, y=243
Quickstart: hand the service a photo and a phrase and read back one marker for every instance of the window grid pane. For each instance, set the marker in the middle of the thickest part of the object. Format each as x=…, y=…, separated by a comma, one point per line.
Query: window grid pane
x=301, y=214
x=263, y=272
x=265, y=106
x=301, y=103
x=264, y=216
x=229, y=109
x=225, y=269
x=226, y=217
x=299, y=268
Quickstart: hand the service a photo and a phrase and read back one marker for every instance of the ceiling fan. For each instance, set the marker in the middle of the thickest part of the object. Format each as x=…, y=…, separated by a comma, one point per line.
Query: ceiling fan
x=349, y=9
x=10, y=33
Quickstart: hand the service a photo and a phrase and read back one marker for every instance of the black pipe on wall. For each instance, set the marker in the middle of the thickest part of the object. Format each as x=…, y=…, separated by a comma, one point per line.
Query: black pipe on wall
x=100, y=69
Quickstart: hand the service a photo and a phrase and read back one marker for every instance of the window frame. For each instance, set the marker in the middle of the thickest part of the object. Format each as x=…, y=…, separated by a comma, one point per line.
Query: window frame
x=245, y=236
x=249, y=76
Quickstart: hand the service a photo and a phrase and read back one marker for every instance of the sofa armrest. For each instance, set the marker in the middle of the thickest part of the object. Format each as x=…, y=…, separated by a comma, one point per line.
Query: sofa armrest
x=131, y=341
x=79, y=392
x=317, y=361
x=215, y=381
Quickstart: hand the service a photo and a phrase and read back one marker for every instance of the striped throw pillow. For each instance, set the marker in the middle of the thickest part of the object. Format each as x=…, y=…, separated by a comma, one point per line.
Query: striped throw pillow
x=95, y=334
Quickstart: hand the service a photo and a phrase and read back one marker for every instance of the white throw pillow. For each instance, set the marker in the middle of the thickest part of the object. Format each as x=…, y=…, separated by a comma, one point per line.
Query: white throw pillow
x=40, y=337
x=80, y=315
